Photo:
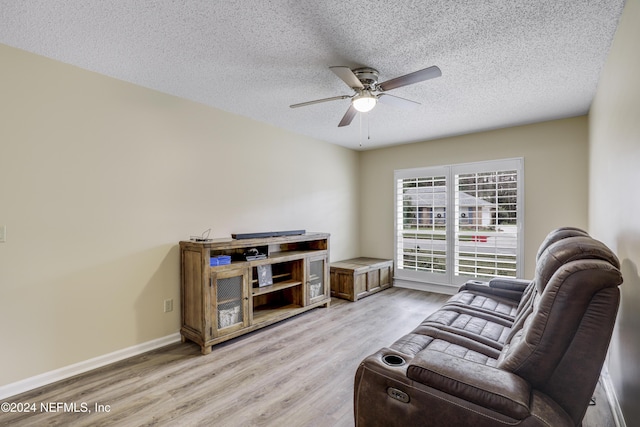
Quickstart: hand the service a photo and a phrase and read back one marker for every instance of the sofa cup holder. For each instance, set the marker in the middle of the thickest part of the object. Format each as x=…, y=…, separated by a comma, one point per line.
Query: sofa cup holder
x=393, y=360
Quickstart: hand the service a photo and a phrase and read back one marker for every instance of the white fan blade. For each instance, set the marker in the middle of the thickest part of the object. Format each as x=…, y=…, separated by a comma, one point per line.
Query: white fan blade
x=348, y=77
x=318, y=101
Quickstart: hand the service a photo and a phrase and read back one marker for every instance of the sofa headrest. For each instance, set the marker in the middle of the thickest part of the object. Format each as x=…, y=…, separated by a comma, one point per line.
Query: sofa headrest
x=557, y=235
x=567, y=250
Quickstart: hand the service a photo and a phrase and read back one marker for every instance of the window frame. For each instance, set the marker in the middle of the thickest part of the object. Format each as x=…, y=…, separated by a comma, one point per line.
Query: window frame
x=417, y=279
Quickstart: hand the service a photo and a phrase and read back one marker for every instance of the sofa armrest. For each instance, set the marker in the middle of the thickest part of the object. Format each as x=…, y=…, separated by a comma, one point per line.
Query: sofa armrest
x=489, y=387
x=518, y=285
x=500, y=287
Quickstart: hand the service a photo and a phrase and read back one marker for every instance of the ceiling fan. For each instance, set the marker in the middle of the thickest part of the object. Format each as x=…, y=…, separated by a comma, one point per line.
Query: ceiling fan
x=364, y=82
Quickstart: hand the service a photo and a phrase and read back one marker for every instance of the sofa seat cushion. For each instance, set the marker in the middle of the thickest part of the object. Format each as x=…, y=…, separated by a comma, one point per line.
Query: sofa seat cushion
x=428, y=338
x=498, y=306
x=411, y=342
x=485, y=328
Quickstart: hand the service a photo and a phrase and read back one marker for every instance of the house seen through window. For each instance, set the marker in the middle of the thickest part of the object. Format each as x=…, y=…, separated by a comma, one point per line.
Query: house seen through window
x=458, y=222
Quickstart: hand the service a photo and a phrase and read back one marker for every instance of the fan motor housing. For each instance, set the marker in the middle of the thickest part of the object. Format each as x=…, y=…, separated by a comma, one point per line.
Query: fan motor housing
x=367, y=76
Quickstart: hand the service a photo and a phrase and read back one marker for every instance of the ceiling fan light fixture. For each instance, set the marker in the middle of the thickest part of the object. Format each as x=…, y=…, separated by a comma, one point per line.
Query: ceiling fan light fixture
x=364, y=101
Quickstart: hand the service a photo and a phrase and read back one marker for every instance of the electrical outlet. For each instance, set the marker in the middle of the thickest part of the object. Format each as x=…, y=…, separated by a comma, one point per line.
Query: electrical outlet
x=168, y=305
x=3, y=233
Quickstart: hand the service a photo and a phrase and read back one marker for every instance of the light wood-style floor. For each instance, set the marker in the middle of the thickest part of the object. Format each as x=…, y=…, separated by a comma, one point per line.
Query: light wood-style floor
x=295, y=373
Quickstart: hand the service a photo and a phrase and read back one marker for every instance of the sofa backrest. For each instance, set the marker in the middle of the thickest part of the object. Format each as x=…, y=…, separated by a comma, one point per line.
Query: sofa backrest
x=562, y=254
x=561, y=345
x=558, y=252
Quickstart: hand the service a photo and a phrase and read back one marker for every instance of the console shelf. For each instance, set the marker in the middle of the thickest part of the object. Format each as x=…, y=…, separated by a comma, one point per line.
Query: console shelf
x=267, y=313
x=278, y=286
x=222, y=302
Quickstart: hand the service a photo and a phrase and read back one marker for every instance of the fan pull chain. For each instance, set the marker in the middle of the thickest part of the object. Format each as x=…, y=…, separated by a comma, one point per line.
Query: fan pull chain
x=360, y=114
x=368, y=127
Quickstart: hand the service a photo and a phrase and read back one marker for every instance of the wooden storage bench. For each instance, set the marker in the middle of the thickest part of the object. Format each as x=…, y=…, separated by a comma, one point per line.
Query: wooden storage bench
x=357, y=278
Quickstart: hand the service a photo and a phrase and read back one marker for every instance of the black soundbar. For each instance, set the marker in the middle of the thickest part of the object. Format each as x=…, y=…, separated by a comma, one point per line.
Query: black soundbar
x=267, y=234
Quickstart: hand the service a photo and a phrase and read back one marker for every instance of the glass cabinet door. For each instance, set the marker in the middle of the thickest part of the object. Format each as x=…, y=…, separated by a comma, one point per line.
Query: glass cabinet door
x=230, y=301
x=316, y=275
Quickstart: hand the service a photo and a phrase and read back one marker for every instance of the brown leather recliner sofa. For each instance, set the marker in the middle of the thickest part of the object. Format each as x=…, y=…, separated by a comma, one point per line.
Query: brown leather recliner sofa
x=507, y=352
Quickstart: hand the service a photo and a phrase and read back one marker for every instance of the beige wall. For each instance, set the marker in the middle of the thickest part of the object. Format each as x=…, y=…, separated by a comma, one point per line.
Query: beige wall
x=556, y=178
x=614, y=208
x=99, y=180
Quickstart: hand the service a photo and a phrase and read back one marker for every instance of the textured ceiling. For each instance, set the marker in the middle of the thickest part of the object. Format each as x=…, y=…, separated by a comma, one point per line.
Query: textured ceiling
x=503, y=63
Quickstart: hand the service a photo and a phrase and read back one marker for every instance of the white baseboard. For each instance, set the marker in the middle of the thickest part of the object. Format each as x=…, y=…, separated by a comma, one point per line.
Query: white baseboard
x=428, y=287
x=84, y=366
x=616, y=410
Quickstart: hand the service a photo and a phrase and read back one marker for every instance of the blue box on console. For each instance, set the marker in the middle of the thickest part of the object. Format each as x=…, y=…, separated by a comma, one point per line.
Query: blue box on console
x=219, y=260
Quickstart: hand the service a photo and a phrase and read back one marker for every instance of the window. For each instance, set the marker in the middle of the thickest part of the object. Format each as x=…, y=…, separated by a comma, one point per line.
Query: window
x=458, y=222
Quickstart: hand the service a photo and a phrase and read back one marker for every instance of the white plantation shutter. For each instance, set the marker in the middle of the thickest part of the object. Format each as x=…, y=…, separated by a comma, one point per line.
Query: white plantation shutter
x=421, y=199
x=459, y=222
